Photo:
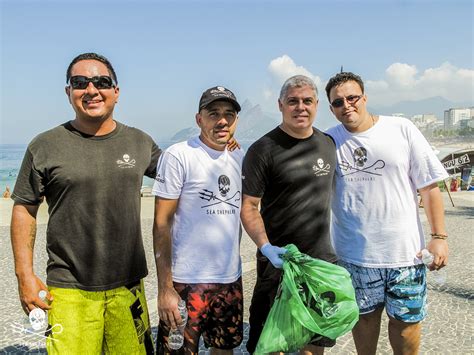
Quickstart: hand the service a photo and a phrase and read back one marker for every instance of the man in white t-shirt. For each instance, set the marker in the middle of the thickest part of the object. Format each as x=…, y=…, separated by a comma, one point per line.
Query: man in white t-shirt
x=196, y=231
x=377, y=234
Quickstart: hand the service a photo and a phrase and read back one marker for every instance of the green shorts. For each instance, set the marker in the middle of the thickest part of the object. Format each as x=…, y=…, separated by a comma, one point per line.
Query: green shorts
x=95, y=322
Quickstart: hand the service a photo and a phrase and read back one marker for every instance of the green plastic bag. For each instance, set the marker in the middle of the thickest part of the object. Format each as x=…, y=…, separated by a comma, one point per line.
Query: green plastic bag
x=314, y=297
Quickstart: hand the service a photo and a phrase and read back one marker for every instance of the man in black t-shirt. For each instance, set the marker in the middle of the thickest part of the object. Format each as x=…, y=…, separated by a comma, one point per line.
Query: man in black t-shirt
x=289, y=171
x=90, y=172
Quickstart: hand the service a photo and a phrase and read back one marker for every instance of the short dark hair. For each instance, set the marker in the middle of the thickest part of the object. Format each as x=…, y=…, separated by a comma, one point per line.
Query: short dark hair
x=92, y=56
x=341, y=78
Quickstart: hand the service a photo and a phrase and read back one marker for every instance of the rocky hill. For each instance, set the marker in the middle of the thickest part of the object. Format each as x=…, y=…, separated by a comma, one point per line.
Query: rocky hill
x=253, y=123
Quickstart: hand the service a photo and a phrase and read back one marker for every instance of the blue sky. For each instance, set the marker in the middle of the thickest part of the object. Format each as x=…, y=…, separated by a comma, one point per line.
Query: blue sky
x=166, y=53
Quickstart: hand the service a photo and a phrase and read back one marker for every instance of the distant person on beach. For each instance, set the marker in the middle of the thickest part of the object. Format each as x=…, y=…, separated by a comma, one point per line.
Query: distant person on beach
x=377, y=233
x=289, y=171
x=196, y=231
x=90, y=172
x=7, y=193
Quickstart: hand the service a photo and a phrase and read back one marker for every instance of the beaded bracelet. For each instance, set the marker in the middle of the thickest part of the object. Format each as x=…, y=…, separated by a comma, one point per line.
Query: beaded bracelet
x=439, y=236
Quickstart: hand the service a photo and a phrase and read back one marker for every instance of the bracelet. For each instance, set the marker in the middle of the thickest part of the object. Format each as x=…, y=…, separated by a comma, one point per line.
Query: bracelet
x=439, y=236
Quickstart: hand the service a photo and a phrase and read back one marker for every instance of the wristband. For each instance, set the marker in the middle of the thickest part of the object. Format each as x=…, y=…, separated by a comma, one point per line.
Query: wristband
x=439, y=236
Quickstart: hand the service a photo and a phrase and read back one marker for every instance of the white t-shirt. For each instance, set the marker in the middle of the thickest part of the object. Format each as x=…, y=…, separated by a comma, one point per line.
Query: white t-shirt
x=206, y=229
x=375, y=220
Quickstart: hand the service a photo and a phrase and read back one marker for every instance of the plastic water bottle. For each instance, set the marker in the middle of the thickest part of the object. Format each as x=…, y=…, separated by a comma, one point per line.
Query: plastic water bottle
x=37, y=317
x=176, y=336
x=438, y=276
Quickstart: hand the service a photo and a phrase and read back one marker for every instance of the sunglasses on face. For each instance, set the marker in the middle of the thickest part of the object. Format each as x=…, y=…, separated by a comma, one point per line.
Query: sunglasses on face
x=351, y=99
x=100, y=82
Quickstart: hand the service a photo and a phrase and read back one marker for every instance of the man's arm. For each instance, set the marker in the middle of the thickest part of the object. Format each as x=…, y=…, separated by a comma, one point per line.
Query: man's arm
x=23, y=234
x=168, y=298
x=434, y=209
x=253, y=224
x=252, y=220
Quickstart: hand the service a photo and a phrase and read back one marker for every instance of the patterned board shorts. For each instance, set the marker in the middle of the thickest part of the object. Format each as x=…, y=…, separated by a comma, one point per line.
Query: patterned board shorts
x=215, y=311
x=401, y=290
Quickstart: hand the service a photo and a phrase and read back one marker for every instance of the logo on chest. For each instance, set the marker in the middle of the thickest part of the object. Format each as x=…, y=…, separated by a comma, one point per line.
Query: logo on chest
x=126, y=162
x=360, y=164
x=222, y=198
x=321, y=168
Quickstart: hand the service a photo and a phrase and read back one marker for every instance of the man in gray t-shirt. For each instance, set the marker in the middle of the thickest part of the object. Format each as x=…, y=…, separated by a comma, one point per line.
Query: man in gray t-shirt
x=90, y=172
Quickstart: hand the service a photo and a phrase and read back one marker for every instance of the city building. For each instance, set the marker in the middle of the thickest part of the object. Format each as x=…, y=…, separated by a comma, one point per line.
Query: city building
x=453, y=116
x=424, y=120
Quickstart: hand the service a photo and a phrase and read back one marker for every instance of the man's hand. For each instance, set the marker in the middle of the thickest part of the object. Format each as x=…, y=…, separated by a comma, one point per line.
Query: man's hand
x=29, y=288
x=439, y=249
x=168, y=307
x=434, y=210
x=273, y=254
x=232, y=144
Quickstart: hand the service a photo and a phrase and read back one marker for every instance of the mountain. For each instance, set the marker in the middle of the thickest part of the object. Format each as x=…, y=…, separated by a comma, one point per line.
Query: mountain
x=433, y=105
x=253, y=123
x=185, y=134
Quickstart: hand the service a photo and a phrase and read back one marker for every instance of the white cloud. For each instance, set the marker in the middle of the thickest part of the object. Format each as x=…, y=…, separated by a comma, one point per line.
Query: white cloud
x=402, y=82
x=401, y=74
x=284, y=67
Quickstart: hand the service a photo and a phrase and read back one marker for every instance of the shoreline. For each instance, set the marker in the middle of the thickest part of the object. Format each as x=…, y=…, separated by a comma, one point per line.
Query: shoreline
x=6, y=204
x=451, y=145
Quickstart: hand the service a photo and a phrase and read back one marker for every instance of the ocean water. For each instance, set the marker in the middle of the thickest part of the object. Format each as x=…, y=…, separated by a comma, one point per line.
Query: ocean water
x=11, y=156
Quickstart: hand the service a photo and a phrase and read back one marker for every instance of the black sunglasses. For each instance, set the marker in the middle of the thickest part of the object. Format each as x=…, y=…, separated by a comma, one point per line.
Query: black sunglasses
x=100, y=82
x=351, y=99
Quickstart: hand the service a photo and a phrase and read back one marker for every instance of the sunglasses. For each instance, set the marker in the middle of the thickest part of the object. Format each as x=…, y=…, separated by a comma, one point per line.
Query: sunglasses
x=351, y=99
x=100, y=82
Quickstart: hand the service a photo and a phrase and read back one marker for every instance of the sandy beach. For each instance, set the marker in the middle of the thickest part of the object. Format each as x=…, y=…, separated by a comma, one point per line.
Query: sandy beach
x=447, y=330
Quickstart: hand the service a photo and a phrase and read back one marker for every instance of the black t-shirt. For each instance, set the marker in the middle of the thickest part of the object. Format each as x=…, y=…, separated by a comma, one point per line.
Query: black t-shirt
x=92, y=187
x=294, y=179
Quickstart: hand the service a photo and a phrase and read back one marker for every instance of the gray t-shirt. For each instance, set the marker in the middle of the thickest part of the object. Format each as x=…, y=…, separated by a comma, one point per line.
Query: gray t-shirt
x=92, y=187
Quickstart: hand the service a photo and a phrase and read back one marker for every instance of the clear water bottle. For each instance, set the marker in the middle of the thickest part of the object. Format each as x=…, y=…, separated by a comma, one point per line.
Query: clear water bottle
x=438, y=276
x=176, y=336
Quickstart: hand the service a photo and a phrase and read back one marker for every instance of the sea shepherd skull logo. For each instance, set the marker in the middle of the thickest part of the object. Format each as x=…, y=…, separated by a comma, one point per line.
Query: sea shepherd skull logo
x=360, y=156
x=360, y=159
x=126, y=162
x=320, y=169
x=223, y=183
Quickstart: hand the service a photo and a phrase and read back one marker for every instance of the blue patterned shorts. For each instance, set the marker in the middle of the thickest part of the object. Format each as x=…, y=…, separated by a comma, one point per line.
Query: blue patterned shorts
x=401, y=290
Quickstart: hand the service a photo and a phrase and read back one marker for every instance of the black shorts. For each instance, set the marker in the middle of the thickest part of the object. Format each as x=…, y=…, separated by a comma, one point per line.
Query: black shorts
x=264, y=293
